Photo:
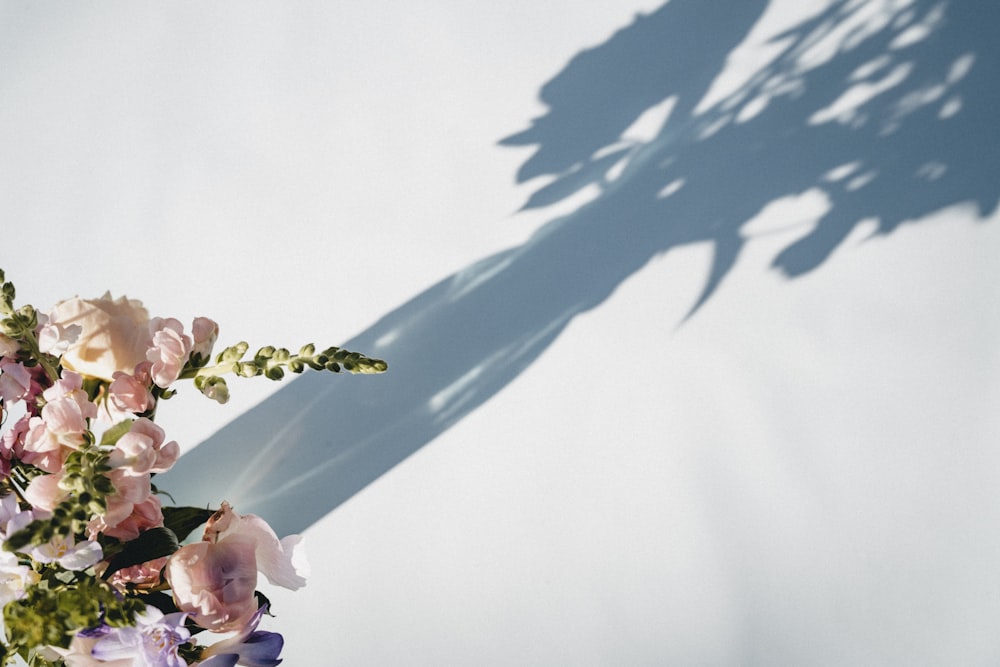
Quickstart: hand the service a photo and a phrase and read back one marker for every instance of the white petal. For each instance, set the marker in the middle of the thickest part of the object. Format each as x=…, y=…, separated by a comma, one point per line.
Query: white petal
x=82, y=557
x=274, y=557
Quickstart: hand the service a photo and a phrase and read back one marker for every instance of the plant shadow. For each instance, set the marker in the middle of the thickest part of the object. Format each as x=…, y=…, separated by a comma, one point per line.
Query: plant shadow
x=886, y=107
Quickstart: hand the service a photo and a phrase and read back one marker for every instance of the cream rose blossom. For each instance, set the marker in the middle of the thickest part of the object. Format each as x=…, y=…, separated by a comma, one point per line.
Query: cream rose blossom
x=114, y=334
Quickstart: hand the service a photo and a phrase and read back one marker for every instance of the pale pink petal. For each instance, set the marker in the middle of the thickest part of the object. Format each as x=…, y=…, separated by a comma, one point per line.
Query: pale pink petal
x=43, y=492
x=215, y=583
x=274, y=556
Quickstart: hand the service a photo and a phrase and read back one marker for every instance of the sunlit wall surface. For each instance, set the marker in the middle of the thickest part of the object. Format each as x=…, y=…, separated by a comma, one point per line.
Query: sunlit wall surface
x=691, y=308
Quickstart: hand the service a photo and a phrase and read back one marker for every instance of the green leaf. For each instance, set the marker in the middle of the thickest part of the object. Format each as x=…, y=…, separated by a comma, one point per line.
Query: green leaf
x=183, y=520
x=114, y=434
x=151, y=544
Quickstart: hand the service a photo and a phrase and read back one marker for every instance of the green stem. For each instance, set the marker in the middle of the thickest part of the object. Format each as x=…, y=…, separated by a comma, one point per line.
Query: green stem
x=206, y=371
x=50, y=370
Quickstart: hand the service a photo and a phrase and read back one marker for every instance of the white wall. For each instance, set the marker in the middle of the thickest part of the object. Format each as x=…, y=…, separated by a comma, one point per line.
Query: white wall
x=580, y=470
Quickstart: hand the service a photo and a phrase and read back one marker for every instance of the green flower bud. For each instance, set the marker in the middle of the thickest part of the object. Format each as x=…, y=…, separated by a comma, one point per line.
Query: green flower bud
x=233, y=353
x=248, y=369
x=216, y=389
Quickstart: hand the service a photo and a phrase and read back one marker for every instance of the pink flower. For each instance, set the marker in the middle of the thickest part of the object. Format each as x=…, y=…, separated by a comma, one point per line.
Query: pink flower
x=141, y=450
x=276, y=559
x=44, y=492
x=215, y=581
x=142, y=576
x=114, y=334
x=8, y=346
x=131, y=509
x=12, y=443
x=67, y=409
x=205, y=332
x=145, y=515
x=169, y=351
x=55, y=338
x=61, y=427
x=40, y=446
x=130, y=394
x=15, y=381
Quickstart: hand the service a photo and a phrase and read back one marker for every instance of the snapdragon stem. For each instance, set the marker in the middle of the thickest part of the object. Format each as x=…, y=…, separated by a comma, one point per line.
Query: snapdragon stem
x=207, y=371
x=49, y=369
x=29, y=339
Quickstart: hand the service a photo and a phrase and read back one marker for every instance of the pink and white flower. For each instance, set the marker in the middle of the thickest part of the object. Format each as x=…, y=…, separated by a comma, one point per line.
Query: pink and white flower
x=281, y=561
x=15, y=579
x=141, y=576
x=8, y=346
x=40, y=446
x=169, y=351
x=214, y=582
x=205, y=332
x=55, y=338
x=67, y=409
x=131, y=509
x=44, y=492
x=141, y=451
x=130, y=394
x=15, y=380
x=64, y=421
x=69, y=554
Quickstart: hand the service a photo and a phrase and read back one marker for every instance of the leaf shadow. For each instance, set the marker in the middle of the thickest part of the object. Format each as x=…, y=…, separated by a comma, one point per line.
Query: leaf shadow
x=887, y=108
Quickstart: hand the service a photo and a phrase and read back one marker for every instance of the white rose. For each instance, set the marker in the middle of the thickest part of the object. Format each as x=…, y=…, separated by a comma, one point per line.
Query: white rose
x=114, y=335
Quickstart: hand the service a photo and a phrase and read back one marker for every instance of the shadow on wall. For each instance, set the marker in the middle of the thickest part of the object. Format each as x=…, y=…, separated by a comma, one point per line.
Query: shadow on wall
x=887, y=107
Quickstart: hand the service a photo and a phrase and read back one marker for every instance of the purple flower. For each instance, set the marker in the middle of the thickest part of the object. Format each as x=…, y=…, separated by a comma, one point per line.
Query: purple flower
x=250, y=647
x=153, y=640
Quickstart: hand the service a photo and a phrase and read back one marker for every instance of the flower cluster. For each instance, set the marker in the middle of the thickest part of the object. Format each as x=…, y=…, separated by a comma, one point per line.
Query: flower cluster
x=95, y=570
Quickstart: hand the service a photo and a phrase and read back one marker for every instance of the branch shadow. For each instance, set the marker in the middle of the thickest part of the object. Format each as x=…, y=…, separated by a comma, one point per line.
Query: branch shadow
x=886, y=107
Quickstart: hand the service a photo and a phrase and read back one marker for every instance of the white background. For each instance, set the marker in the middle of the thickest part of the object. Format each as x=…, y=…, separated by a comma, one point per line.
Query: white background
x=804, y=470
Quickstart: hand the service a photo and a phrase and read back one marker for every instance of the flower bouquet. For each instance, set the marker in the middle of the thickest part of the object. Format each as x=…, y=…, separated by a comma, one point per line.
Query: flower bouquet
x=95, y=570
